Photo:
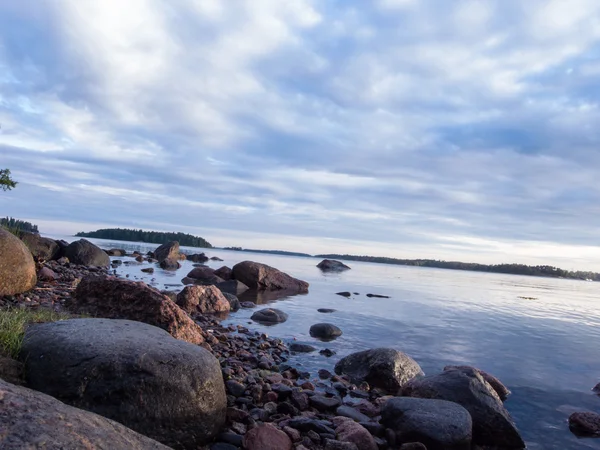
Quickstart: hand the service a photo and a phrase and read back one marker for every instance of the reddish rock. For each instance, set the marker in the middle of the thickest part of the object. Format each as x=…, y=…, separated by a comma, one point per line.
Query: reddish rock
x=17, y=268
x=42, y=249
x=293, y=434
x=224, y=272
x=585, y=423
x=170, y=250
x=349, y=431
x=202, y=299
x=267, y=437
x=46, y=274
x=263, y=277
x=113, y=298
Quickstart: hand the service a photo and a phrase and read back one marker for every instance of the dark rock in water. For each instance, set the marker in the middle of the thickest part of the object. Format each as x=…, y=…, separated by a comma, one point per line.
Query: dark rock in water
x=197, y=258
x=204, y=275
x=267, y=437
x=326, y=310
x=356, y=293
x=323, y=403
x=225, y=273
x=234, y=287
x=325, y=331
x=585, y=424
x=134, y=373
x=140, y=258
x=263, y=277
x=203, y=300
x=331, y=265
x=114, y=298
x=17, y=268
x=42, y=249
x=325, y=374
x=148, y=270
x=301, y=348
x=492, y=424
x=385, y=368
x=169, y=264
x=596, y=389
x=85, y=253
x=30, y=419
x=269, y=315
x=248, y=305
x=377, y=296
x=328, y=353
x=345, y=294
x=116, y=252
x=170, y=250
x=438, y=424
x=216, y=258
x=502, y=391
x=234, y=302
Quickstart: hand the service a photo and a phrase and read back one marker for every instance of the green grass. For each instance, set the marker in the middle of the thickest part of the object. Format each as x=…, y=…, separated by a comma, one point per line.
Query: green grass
x=14, y=321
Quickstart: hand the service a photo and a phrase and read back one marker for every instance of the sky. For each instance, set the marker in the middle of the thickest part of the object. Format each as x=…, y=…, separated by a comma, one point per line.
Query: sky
x=462, y=130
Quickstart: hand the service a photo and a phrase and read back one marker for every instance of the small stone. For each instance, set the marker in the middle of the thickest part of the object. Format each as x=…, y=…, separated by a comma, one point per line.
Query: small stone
x=267, y=437
x=293, y=434
x=585, y=423
x=347, y=411
x=344, y=294
x=324, y=403
x=327, y=352
x=324, y=374
x=235, y=388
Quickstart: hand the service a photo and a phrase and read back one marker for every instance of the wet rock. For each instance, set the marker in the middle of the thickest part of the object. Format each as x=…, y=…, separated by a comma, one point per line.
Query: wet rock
x=324, y=374
x=30, y=419
x=215, y=258
x=349, y=431
x=585, y=424
x=344, y=294
x=377, y=296
x=41, y=248
x=325, y=331
x=327, y=353
x=197, y=258
x=492, y=424
x=502, y=391
x=267, y=437
x=323, y=403
x=122, y=299
x=148, y=270
x=439, y=424
x=248, y=305
x=331, y=265
x=234, y=302
x=169, y=264
x=17, y=268
x=225, y=273
x=85, y=253
x=326, y=310
x=204, y=275
x=234, y=287
x=202, y=299
x=348, y=411
x=269, y=316
x=134, y=373
x=301, y=348
x=170, y=250
x=385, y=368
x=263, y=277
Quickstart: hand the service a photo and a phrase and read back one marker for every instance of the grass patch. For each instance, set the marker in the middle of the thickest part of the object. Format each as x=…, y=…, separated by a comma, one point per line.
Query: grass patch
x=14, y=321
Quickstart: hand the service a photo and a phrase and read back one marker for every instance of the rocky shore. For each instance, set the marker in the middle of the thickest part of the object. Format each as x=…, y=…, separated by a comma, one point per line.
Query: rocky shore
x=151, y=369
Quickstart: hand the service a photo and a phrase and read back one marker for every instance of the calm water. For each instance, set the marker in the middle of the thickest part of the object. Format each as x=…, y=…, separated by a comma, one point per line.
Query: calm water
x=545, y=350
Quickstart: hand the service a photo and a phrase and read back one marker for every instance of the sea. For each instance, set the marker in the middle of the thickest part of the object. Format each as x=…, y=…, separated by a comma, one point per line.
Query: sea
x=539, y=336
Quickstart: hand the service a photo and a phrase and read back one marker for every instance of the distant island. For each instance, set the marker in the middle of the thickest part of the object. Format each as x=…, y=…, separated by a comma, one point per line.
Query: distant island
x=270, y=252
x=515, y=269
x=153, y=237
x=18, y=225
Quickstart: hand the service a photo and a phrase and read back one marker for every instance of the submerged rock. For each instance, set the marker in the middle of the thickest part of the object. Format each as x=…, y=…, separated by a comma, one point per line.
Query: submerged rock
x=325, y=331
x=17, y=268
x=234, y=287
x=585, y=424
x=331, y=265
x=269, y=315
x=301, y=348
x=344, y=294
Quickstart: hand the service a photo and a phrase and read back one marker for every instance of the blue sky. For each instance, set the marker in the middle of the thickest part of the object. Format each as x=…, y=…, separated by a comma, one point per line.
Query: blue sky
x=412, y=128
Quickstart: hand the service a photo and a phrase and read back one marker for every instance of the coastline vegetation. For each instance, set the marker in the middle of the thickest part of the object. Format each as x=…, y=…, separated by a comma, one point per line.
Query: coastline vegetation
x=17, y=227
x=153, y=237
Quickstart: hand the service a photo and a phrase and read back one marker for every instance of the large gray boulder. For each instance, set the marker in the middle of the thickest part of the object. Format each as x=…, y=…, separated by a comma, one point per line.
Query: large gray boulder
x=42, y=248
x=131, y=372
x=30, y=419
x=85, y=253
x=262, y=277
x=384, y=368
x=439, y=424
x=492, y=424
x=17, y=268
x=502, y=391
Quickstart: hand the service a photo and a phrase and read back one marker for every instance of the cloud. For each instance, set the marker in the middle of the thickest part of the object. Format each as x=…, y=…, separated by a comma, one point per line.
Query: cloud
x=459, y=130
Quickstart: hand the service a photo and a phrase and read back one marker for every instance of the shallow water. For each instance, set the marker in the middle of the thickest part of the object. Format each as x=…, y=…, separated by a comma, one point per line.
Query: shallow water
x=545, y=350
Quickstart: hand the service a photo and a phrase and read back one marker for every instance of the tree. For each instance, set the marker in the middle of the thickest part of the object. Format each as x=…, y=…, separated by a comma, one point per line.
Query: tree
x=6, y=182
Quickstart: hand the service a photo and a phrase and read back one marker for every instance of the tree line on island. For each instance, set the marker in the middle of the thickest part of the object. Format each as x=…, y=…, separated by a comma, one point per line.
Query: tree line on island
x=18, y=225
x=153, y=237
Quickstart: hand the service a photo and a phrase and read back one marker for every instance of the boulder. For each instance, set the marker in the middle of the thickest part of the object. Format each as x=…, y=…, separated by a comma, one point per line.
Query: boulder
x=502, y=391
x=234, y=302
x=30, y=419
x=204, y=275
x=301, y=348
x=197, y=258
x=439, y=424
x=585, y=424
x=168, y=264
x=42, y=248
x=325, y=331
x=116, y=252
x=17, y=268
x=269, y=316
x=115, y=298
x=170, y=250
x=234, y=287
x=131, y=372
x=224, y=272
x=331, y=265
x=203, y=300
x=84, y=253
x=492, y=424
x=347, y=430
x=385, y=368
x=263, y=277
x=267, y=437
